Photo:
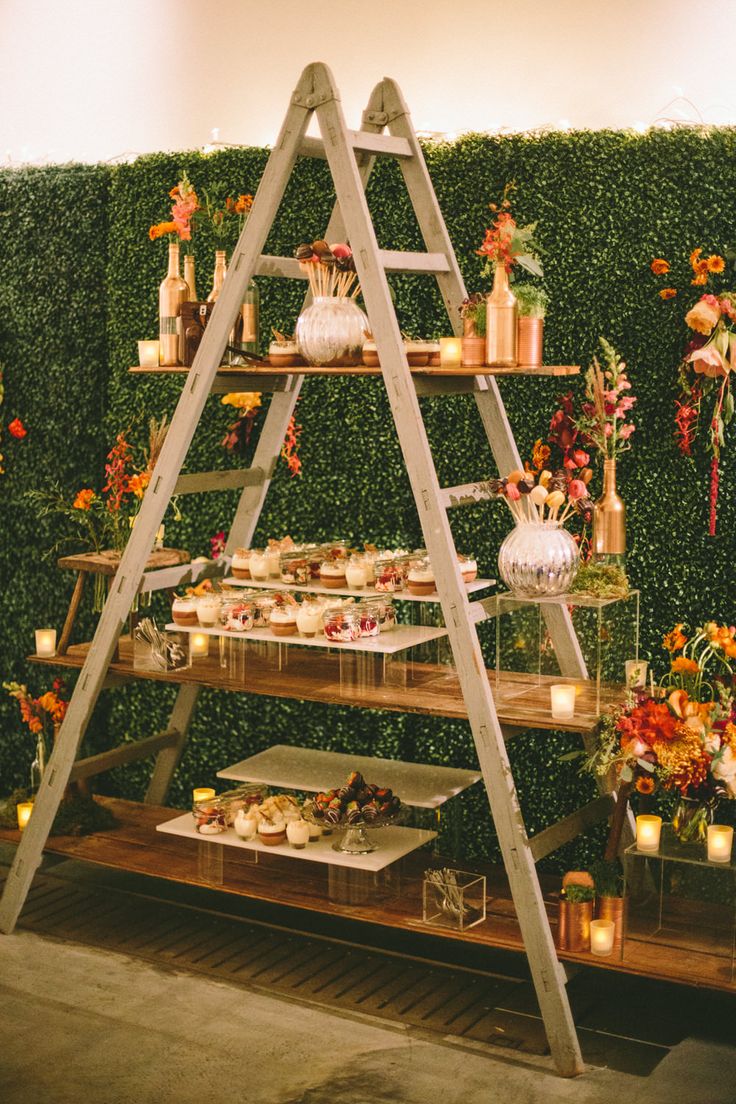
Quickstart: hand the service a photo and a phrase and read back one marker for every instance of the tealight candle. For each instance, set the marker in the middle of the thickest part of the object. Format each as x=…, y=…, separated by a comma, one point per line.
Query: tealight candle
x=23, y=812
x=601, y=937
x=720, y=842
x=648, y=830
x=451, y=352
x=203, y=793
x=148, y=353
x=562, y=697
x=636, y=673
x=199, y=644
x=46, y=642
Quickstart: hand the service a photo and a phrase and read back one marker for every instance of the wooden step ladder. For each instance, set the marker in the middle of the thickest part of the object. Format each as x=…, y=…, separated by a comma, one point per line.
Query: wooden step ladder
x=350, y=155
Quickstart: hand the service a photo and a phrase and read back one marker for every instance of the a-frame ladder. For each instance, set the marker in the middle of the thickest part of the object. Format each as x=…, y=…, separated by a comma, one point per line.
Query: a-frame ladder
x=350, y=155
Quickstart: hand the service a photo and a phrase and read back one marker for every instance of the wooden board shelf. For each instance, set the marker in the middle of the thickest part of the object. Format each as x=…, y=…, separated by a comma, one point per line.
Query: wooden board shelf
x=425, y=688
x=236, y=373
x=134, y=845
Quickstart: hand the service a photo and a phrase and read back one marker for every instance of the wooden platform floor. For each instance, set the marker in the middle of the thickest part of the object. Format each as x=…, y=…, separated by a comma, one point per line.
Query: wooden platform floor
x=391, y=900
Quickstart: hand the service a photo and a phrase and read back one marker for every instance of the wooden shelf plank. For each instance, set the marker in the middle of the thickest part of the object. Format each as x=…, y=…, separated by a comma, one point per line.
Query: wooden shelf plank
x=134, y=845
x=425, y=688
x=100, y=563
x=366, y=592
x=398, y=639
x=239, y=374
x=419, y=785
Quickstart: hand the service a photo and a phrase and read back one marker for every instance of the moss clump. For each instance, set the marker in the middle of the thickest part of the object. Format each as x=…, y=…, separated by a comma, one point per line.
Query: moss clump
x=601, y=581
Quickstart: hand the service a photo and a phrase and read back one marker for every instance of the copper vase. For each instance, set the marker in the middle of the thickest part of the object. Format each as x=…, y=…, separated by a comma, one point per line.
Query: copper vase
x=473, y=351
x=501, y=327
x=614, y=908
x=609, y=519
x=531, y=333
x=573, y=930
x=172, y=293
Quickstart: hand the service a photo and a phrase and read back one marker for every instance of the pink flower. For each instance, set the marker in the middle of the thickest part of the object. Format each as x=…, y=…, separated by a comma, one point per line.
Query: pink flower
x=626, y=431
x=608, y=429
x=728, y=308
x=626, y=402
x=581, y=458
x=708, y=361
x=637, y=747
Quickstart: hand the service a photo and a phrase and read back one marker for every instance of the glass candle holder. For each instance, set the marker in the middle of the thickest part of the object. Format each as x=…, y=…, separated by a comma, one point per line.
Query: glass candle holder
x=451, y=352
x=648, y=831
x=199, y=645
x=562, y=701
x=202, y=793
x=23, y=811
x=45, y=642
x=601, y=937
x=148, y=354
x=720, y=843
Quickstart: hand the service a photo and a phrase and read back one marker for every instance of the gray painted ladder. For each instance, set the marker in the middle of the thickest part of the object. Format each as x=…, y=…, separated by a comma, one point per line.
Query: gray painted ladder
x=350, y=155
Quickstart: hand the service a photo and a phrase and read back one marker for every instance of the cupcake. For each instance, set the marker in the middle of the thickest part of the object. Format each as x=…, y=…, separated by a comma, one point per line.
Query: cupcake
x=468, y=568
x=283, y=617
x=332, y=573
x=259, y=565
x=272, y=832
x=370, y=354
x=241, y=563
x=184, y=611
x=420, y=579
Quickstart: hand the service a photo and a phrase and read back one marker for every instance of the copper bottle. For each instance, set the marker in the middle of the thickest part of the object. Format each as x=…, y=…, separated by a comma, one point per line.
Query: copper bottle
x=189, y=277
x=172, y=293
x=609, y=519
x=501, y=326
x=531, y=332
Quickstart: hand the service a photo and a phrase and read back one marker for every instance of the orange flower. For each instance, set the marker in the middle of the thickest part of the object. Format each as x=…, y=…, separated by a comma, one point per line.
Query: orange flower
x=700, y=279
x=645, y=784
x=160, y=229
x=659, y=266
x=684, y=666
x=540, y=455
x=84, y=499
x=243, y=204
x=684, y=760
x=137, y=483
x=17, y=429
x=715, y=263
x=675, y=640
x=695, y=258
x=668, y=293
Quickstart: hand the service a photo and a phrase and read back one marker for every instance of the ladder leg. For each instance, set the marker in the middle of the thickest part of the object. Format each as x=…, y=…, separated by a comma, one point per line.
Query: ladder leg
x=168, y=758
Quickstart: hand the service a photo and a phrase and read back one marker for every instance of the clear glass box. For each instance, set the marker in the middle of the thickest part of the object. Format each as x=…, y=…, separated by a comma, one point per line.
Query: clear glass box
x=175, y=654
x=457, y=900
x=678, y=899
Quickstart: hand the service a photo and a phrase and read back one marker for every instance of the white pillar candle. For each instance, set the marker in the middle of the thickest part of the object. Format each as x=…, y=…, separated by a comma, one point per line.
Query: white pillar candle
x=720, y=842
x=562, y=697
x=601, y=937
x=148, y=353
x=199, y=644
x=648, y=830
x=203, y=793
x=46, y=642
x=23, y=812
x=636, y=673
x=451, y=352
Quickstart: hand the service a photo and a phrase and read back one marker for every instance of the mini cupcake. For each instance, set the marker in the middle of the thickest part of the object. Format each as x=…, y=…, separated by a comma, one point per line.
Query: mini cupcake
x=420, y=579
x=332, y=573
x=184, y=610
x=241, y=563
x=468, y=568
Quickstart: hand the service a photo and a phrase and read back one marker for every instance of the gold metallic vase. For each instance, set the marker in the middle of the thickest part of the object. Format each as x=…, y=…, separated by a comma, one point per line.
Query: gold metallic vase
x=609, y=519
x=501, y=322
x=531, y=332
x=172, y=293
x=189, y=276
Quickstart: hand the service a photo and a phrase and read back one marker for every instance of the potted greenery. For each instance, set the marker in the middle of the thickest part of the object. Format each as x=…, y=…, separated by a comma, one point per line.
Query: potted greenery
x=473, y=315
x=532, y=302
x=575, y=911
x=610, y=901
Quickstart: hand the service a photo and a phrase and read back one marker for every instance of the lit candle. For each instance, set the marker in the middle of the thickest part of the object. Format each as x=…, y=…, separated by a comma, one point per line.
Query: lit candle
x=562, y=696
x=720, y=842
x=203, y=793
x=451, y=352
x=648, y=829
x=636, y=673
x=46, y=642
x=148, y=352
x=199, y=644
x=601, y=937
x=24, y=810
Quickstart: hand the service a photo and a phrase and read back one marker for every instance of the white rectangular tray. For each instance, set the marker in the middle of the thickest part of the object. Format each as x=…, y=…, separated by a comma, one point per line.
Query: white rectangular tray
x=366, y=592
x=397, y=639
x=311, y=770
x=393, y=843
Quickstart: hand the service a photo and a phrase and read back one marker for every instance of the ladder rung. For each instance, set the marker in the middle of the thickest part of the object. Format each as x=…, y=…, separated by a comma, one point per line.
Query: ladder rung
x=288, y=267
x=544, y=843
x=124, y=753
x=466, y=494
x=382, y=144
x=394, y=260
x=219, y=480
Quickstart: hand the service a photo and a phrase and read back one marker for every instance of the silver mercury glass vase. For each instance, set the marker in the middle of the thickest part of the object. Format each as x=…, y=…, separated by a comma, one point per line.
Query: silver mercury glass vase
x=331, y=331
x=538, y=559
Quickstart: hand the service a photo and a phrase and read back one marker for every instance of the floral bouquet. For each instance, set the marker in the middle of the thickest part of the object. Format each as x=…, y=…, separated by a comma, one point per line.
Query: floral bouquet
x=507, y=244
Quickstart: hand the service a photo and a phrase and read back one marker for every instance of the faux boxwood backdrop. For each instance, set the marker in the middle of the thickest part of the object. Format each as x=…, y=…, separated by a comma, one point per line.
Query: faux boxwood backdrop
x=78, y=286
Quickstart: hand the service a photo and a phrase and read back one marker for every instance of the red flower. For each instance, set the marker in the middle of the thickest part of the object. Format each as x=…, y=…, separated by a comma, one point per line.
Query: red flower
x=649, y=721
x=17, y=429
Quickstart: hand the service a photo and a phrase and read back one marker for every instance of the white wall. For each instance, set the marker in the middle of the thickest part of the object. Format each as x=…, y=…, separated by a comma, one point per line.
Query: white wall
x=94, y=79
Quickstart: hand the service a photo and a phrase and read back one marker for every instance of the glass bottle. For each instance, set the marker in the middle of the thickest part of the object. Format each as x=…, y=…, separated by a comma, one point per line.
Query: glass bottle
x=501, y=321
x=172, y=293
x=247, y=326
x=38, y=766
x=609, y=520
x=189, y=276
x=218, y=276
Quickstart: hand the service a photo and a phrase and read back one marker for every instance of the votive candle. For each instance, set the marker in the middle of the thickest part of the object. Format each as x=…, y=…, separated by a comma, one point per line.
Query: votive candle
x=199, y=644
x=720, y=842
x=23, y=811
x=451, y=352
x=601, y=937
x=46, y=642
x=203, y=793
x=562, y=698
x=648, y=830
x=148, y=353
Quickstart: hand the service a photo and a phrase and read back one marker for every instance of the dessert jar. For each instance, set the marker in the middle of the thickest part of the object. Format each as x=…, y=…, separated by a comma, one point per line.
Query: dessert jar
x=283, y=354
x=384, y=609
x=417, y=353
x=468, y=568
x=245, y=824
x=342, y=626
x=369, y=619
x=283, y=618
x=434, y=354
x=295, y=569
x=420, y=578
x=356, y=572
x=273, y=557
x=369, y=559
x=210, y=817
x=237, y=616
x=184, y=611
x=388, y=573
x=259, y=565
x=309, y=618
x=208, y=610
x=370, y=354
x=332, y=572
x=262, y=607
x=240, y=565
x=297, y=833
x=271, y=832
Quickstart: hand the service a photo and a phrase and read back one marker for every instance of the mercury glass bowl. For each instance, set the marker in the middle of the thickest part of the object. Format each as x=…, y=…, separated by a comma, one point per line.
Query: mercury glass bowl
x=331, y=331
x=538, y=560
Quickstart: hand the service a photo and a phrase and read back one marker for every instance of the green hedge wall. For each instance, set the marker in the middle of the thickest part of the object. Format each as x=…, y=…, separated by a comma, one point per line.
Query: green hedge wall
x=78, y=280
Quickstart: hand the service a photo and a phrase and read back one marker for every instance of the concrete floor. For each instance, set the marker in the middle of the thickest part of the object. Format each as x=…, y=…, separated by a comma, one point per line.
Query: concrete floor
x=79, y=1024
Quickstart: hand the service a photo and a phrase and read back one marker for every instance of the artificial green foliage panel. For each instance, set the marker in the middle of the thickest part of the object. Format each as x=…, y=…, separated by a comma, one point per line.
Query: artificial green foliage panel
x=79, y=280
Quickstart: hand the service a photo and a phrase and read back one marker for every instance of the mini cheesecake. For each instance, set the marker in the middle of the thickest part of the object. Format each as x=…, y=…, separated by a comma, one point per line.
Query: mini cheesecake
x=241, y=563
x=420, y=580
x=417, y=353
x=283, y=620
x=272, y=833
x=370, y=355
x=332, y=574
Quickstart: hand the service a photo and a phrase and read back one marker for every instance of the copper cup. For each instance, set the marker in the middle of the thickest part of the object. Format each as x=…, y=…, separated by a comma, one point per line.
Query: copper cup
x=531, y=333
x=573, y=932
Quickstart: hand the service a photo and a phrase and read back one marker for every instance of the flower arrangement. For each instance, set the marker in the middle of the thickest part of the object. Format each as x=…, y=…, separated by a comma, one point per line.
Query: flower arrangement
x=330, y=269
x=704, y=373
x=505, y=243
x=247, y=404
x=42, y=714
x=185, y=204
x=222, y=216
x=602, y=422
